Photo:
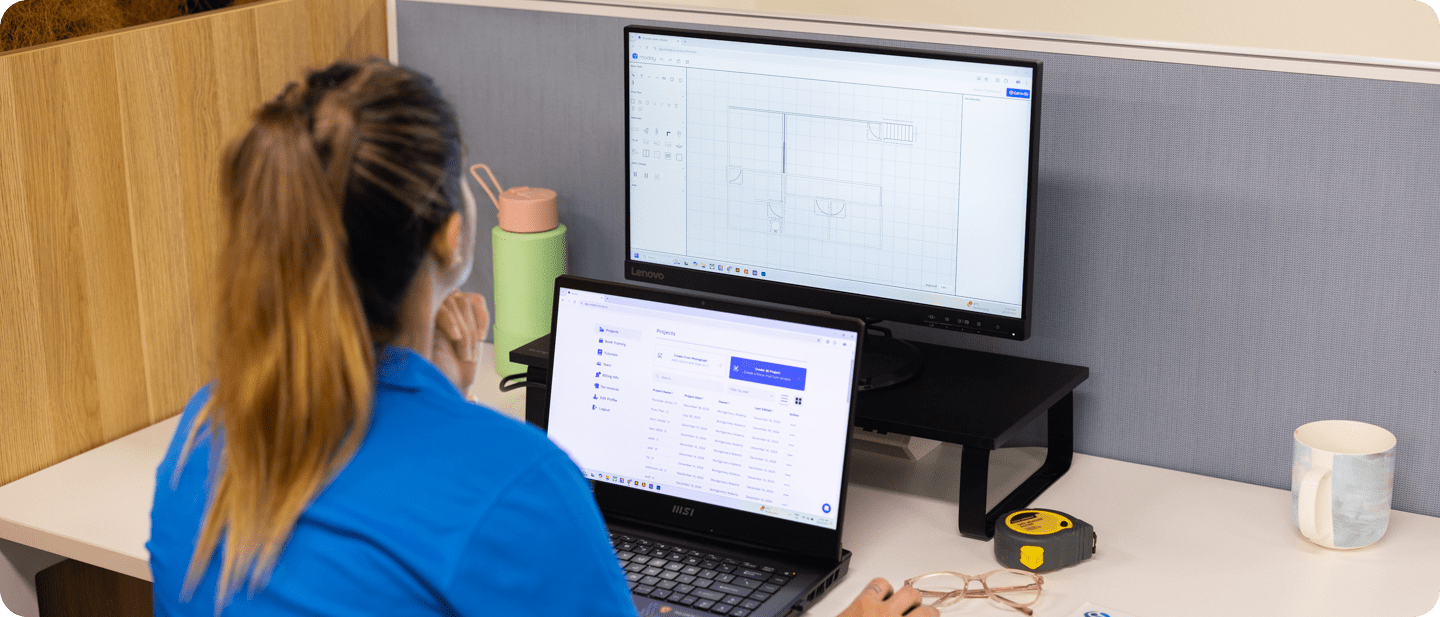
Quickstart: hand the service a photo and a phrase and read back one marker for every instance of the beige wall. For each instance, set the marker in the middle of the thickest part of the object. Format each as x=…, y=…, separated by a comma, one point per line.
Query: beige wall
x=1395, y=29
x=109, y=150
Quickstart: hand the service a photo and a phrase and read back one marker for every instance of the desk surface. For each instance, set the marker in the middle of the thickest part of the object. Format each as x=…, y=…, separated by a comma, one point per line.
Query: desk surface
x=1171, y=544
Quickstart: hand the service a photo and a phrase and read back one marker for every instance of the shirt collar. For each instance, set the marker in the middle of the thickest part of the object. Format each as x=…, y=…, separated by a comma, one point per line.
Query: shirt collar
x=404, y=369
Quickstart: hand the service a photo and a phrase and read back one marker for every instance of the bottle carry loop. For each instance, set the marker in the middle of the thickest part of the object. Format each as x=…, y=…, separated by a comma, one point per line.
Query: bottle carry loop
x=493, y=199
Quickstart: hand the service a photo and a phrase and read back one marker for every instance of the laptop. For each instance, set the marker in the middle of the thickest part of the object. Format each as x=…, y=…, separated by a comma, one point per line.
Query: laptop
x=715, y=436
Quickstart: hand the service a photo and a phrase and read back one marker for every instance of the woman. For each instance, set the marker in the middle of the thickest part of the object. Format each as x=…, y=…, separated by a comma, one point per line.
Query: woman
x=331, y=468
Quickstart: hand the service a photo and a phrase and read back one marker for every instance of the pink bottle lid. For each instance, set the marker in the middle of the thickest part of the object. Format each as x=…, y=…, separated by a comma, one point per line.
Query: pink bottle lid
x=523, y=209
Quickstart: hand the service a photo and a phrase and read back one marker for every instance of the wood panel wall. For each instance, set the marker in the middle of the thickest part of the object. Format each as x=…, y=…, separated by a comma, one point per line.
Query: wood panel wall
x=75, y=589
x=109, y=227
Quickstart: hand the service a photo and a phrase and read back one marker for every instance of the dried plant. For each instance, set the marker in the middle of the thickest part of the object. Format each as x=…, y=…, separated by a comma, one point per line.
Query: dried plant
x=36, y=22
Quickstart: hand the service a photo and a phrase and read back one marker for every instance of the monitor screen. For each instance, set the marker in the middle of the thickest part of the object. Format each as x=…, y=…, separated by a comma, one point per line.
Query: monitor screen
x=733, y=410
x=880, y=183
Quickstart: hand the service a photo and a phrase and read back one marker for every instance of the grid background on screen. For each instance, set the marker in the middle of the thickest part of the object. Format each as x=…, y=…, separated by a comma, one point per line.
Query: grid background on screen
x=823, y=177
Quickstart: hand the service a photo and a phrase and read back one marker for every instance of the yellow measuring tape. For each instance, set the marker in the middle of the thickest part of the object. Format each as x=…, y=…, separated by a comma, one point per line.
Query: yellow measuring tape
x=1043, y=540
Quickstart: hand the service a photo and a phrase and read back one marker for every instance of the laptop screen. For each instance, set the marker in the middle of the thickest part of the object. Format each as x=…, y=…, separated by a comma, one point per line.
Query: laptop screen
x=731, y=410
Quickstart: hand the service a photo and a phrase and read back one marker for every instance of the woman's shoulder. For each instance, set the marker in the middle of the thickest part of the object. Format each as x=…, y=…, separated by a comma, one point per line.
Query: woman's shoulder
x=188, y=417
x=425, y=435
x=451, y=427
x=418, y=409
x=454, y=438
x=441, y=469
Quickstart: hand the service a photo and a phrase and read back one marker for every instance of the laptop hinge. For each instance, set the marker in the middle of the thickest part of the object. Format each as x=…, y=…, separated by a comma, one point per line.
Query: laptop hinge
x=701, y=537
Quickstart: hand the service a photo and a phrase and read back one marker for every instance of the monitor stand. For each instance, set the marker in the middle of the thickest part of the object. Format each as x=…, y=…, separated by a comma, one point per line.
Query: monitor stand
x=975, y=399
x=887, y=361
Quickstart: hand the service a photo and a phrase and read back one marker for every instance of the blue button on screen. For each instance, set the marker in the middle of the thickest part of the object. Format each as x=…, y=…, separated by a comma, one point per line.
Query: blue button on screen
x=767, y=373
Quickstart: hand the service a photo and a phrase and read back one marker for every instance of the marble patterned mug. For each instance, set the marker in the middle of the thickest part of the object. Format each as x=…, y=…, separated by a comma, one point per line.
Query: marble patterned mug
x=1340, y=482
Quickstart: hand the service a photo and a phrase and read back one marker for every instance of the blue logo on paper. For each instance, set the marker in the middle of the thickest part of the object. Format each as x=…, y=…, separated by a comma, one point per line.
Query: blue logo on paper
x=1096, y=614
x=1019, y=94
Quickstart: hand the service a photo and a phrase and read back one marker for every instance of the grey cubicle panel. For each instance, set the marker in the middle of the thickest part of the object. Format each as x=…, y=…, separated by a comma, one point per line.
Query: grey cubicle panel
x=1232, y=252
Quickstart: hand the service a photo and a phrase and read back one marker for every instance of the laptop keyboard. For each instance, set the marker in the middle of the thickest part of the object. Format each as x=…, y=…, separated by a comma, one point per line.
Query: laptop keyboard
x=698, y=579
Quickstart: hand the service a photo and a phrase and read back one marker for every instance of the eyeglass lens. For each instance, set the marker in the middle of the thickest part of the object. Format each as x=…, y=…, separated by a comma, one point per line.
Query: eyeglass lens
x=1008, y=587
x=1013, y=586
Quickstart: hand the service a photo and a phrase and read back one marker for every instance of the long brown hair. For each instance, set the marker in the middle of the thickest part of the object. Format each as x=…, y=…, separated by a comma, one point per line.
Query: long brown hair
x=331, y=198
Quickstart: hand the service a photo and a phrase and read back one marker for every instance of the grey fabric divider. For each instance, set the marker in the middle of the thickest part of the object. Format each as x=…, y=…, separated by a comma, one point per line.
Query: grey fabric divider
x=1233, y=253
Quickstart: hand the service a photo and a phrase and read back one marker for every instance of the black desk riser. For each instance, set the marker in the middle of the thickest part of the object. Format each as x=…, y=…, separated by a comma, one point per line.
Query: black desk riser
x=975, y=399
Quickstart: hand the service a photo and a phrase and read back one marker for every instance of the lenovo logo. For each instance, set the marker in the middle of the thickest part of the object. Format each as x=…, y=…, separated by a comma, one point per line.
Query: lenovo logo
x=683, y=511
x=660, y=276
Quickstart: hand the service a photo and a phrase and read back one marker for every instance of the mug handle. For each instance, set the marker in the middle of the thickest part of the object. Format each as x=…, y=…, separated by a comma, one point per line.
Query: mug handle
x=1309, y=498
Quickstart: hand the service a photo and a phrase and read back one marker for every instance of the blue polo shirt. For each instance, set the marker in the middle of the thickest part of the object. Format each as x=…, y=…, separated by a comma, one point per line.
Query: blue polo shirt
x=448, y=508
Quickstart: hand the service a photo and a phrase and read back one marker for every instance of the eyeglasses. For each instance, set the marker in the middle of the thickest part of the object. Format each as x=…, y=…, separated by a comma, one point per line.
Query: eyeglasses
x=1016, y=589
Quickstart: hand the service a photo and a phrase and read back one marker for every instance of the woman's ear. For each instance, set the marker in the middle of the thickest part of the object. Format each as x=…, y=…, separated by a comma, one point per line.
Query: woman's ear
x=445, y=244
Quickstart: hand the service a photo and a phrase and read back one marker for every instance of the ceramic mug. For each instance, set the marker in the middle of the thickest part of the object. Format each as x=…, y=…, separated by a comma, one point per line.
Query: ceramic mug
x=1340, y=482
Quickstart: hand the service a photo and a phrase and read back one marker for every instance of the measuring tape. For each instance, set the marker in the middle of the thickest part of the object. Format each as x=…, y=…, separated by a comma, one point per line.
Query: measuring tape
x=1043, y=540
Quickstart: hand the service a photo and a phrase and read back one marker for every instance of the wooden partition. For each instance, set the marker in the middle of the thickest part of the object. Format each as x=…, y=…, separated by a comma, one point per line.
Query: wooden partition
x=109, y=151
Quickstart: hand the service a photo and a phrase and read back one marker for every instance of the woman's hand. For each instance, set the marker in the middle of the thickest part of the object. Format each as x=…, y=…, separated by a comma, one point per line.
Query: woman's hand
x=460, y=325
x=880, y=600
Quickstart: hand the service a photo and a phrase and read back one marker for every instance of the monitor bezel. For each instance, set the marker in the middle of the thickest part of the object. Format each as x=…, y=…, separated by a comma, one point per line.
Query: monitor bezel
x=869, y=308
x=744, y=528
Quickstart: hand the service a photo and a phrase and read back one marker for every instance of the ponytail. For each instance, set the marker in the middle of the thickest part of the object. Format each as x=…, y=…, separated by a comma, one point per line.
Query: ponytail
x=296, y=345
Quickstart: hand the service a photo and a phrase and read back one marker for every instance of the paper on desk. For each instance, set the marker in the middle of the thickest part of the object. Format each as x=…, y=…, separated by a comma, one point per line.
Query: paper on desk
x=1091, y=609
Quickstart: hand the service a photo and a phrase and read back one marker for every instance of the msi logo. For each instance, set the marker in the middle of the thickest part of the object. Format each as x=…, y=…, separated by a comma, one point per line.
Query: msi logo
x=683, y=511
x=660, y=276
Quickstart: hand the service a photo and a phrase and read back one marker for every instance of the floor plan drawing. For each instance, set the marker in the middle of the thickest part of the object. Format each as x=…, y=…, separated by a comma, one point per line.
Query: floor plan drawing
x=769, y=190
x=823, y=177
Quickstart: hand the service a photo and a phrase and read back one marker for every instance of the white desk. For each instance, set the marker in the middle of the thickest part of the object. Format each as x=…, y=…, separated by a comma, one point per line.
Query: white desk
x=1171, y=544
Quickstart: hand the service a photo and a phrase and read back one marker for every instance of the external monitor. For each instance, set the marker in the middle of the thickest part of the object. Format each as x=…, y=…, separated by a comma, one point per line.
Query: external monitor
x=882, y=183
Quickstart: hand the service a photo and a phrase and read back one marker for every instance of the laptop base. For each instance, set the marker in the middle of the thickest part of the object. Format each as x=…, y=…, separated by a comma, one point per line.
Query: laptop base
x=703, y=578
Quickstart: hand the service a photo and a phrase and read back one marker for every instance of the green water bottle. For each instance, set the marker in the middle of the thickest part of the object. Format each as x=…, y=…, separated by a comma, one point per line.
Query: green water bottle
x=528, y=249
